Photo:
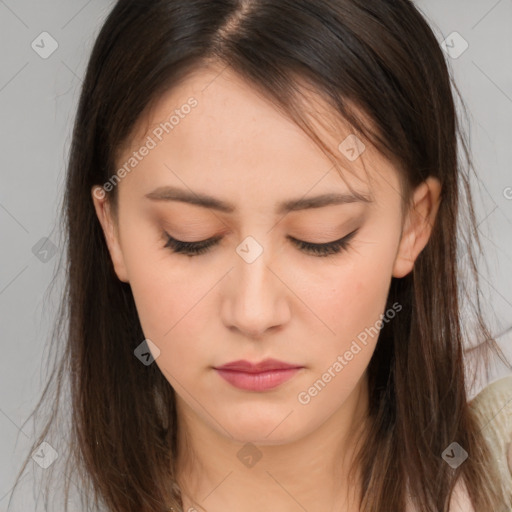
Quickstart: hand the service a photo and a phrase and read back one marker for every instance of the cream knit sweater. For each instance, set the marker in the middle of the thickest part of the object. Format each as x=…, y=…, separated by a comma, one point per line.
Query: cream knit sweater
x=493, y=406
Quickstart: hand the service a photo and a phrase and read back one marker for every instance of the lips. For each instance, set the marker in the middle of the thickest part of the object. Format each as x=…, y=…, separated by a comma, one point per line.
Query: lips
x=262, y=366
x=263, y=376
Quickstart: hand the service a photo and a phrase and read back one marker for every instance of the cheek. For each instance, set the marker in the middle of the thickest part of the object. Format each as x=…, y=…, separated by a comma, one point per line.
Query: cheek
x=167, y=304
x=352, y=306
x=351, y=301
x=170, y=311
x=349, y=297
x=164, y=295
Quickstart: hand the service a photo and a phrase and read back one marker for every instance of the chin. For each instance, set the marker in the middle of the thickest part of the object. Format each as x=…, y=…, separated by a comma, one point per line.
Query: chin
x=270, y=431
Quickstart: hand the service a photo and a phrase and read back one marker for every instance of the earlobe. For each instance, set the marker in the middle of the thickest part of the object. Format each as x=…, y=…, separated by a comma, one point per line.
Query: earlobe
x=418, y=225
x=102, y=208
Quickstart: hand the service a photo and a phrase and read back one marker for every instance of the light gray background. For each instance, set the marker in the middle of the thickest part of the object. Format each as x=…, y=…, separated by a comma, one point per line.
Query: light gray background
x=38, y=98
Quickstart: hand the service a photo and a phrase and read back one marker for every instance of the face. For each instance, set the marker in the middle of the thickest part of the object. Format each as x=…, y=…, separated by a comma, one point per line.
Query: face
x=270, y=281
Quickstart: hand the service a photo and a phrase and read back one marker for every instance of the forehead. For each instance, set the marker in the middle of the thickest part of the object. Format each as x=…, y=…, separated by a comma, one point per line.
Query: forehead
x=213, y=129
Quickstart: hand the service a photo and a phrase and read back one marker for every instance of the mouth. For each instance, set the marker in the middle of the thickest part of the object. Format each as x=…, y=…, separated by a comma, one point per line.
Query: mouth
x=262, y=376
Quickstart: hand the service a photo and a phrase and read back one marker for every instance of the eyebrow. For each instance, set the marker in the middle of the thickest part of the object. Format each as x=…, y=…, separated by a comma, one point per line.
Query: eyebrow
x=169, y=193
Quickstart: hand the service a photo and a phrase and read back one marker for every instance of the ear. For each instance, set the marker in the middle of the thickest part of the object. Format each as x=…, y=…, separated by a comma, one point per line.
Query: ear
x=418, y=225
x=102, y=207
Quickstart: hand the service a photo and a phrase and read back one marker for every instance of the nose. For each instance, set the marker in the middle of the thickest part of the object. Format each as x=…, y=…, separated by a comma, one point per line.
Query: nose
x=255, y=298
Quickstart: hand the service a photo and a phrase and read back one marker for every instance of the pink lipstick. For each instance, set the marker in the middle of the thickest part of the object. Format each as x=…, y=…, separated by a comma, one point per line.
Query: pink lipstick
x=262, y=376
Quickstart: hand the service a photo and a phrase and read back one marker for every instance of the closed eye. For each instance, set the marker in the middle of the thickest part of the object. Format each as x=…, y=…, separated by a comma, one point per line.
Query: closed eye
x=320, y=250
x=325, y=249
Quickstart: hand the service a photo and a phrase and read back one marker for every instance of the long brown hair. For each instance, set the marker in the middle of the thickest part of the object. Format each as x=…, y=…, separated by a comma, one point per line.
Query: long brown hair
x=380, y=56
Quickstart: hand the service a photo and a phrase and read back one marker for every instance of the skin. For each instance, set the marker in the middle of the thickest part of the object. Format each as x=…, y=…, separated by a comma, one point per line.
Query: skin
x=207, y=310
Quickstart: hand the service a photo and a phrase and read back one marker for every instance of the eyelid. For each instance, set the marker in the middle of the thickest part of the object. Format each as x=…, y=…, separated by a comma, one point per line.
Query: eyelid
x=289, y=237
x=327, y=249
x=331, y=242
x=212, y=239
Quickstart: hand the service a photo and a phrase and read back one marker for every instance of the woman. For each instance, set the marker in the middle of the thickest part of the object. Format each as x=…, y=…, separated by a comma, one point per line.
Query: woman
x=246, y=330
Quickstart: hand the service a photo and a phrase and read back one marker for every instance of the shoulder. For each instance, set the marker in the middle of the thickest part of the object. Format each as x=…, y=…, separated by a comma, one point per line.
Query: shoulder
x=493, y=408
x=500, y=389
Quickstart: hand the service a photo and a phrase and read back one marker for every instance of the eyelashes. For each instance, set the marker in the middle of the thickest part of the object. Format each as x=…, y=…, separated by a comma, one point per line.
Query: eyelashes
x=192, y=249
x=326, y=249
